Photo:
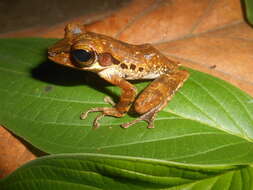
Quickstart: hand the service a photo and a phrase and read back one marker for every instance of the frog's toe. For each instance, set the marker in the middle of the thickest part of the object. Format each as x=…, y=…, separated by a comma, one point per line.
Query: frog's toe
x=85, y=114
x=109, y=100
x=96, y=124
x=149, y=117
x=104, y=112
x=149, y=121
x=126, y=125
x=151, y=125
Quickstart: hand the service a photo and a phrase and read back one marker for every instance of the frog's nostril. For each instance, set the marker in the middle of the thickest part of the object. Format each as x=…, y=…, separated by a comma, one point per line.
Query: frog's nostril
x=51, y=54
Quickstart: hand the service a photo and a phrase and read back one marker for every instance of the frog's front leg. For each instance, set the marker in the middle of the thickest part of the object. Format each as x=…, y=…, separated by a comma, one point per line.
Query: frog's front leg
x=126, y=99
x=156, y=96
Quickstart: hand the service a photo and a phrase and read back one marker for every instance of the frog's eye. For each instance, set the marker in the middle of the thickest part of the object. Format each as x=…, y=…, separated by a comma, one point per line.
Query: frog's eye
x=82, y=57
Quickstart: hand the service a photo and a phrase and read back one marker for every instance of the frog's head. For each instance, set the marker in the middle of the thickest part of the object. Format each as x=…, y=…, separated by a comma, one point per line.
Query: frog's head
x=78, y=49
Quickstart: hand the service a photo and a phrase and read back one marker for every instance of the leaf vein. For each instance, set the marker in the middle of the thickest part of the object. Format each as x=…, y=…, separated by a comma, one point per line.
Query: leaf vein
x=221, y=106
x=209, y=150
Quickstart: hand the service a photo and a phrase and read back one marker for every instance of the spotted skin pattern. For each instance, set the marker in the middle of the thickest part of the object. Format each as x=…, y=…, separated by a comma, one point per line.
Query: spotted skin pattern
x=117, y=62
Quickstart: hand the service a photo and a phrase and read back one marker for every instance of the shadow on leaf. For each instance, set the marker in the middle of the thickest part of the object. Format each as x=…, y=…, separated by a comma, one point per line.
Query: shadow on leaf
x=56, y=74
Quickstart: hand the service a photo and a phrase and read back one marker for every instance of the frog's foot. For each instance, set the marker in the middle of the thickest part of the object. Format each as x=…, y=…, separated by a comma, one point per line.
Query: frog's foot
x=149, y=117
x=104, y=112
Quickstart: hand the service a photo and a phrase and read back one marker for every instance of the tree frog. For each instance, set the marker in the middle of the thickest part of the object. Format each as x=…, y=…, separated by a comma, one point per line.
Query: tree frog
x=118, y=62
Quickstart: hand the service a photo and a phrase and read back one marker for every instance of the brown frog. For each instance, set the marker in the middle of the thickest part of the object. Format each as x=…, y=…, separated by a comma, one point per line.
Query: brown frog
x=117, y=62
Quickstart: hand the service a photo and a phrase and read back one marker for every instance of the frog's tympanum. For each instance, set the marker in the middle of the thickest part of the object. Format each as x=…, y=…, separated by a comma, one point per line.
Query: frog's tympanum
x=117, y=62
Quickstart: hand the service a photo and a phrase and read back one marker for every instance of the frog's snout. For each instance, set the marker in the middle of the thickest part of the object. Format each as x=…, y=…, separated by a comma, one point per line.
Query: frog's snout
x=51, y=54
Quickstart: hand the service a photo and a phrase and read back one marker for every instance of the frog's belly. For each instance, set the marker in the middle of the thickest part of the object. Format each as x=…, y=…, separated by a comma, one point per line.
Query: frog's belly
x=132, y=76
x=128, y=75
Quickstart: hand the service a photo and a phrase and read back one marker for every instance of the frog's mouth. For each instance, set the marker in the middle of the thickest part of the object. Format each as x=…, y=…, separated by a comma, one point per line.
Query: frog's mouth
x=61, y=58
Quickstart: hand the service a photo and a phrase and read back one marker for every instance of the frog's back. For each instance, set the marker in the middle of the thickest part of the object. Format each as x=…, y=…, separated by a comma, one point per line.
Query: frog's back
x=136, y=61
x=146, y=62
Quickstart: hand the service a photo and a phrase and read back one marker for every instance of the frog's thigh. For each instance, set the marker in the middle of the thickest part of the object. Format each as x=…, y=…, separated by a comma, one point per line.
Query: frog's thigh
x=160, y=91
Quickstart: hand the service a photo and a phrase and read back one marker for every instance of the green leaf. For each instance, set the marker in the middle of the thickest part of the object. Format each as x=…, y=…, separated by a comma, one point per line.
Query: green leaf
x=207, y=122
x=94, y=171
x=249, y=10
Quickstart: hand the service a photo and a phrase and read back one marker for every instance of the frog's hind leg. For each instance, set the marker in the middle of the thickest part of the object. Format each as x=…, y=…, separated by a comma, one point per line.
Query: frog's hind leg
x=156, y=96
